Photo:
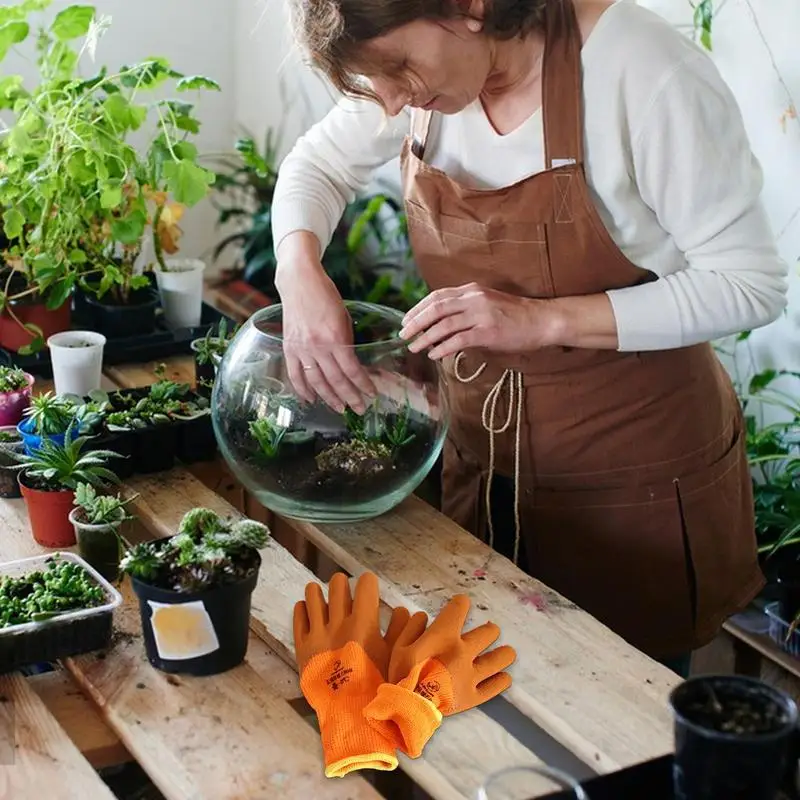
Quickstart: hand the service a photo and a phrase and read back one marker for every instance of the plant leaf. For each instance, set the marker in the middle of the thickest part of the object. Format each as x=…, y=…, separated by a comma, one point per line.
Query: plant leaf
x=72, y=23
x=13, y=222
x=188, y=182
x=129, y=229
x=191, y=82
x=10, y=34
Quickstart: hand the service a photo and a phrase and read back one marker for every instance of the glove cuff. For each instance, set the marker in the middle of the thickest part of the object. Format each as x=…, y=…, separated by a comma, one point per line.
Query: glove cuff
x=350, y=744
x=403, y=717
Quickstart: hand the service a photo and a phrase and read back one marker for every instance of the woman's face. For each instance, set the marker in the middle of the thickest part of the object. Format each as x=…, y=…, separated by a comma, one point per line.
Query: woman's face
x=442, y=66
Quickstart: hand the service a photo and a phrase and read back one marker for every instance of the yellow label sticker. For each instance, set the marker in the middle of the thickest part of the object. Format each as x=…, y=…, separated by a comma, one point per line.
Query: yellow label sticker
x=182, y=631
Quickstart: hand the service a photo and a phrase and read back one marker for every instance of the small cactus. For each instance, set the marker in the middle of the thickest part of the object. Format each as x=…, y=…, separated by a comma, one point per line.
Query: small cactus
x=250, y=533
x=201, y=521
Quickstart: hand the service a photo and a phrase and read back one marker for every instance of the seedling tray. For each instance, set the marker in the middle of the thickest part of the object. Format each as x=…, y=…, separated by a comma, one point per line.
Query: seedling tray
x=156, y=448
x=68, y=634
x=161, y=343
x=780, y=631
x=651, y=780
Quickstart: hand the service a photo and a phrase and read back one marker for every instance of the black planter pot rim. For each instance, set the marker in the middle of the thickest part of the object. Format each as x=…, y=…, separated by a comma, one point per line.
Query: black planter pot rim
x=736, y=682
x=149, y=298
x=162, y=595
x=95, y=526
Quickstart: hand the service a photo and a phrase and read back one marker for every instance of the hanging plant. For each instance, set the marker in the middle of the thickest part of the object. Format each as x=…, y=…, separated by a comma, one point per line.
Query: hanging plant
x=702, y=21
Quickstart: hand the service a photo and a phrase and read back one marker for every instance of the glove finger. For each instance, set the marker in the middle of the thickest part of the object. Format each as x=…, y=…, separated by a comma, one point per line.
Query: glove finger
x=397, y=624
x=478, y=639
x=366, y=603
x=493, y=686
x=316, y=606
x=451, y=618
x=300, y=624
x=340, y=603
x=497, y=660
x=414, y=628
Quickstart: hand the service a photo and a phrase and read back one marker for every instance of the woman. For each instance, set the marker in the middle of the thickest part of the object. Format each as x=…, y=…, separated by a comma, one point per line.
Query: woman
x=585, y=207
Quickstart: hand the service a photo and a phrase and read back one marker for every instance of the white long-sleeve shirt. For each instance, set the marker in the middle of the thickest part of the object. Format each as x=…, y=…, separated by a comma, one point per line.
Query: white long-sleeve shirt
x=668, y=163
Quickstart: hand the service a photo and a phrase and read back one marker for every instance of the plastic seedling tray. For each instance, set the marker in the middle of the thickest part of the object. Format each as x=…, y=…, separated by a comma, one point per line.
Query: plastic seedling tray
x=68, y=634
x=779, y=631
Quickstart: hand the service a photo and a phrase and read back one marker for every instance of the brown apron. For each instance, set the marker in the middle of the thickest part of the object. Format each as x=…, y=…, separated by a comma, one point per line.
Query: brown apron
x=633, y=495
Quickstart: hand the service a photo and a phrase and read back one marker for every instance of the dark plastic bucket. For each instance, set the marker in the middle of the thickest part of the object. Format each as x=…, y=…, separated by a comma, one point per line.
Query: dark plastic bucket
x=744, y=764
x=226, y=611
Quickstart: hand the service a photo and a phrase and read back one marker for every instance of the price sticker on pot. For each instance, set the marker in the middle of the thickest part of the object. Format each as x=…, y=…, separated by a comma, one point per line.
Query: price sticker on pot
x=182, y=631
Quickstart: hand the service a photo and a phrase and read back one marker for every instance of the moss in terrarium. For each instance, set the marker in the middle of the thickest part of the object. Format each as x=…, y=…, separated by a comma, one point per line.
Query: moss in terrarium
x=356, y=457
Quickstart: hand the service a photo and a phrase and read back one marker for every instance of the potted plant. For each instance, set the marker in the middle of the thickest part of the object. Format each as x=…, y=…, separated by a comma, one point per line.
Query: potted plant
x=208, y=352
x=10, y=439
x=16, y=387
x=194, y=591
x=48, y=479
x=82, y=201
x=49, y=416
x=97, y=519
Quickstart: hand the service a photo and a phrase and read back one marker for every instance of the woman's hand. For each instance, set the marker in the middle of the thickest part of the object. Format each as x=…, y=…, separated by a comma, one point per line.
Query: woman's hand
x=318, y=339
x=470, y=316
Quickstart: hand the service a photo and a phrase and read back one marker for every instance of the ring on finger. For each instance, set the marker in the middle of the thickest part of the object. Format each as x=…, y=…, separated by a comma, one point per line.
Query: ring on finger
x=307, y=367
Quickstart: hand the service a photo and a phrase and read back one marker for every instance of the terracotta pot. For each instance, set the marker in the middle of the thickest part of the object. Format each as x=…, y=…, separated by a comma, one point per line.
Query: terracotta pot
x=12, y=404
x=12, y=336
x=49, y=515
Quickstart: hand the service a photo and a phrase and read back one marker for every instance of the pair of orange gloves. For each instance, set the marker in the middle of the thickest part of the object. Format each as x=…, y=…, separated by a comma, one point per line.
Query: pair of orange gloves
x=377, y=693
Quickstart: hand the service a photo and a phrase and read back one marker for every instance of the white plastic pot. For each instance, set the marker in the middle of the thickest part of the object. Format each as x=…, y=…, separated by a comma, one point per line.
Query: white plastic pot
x=77, y=358
x=181, y=290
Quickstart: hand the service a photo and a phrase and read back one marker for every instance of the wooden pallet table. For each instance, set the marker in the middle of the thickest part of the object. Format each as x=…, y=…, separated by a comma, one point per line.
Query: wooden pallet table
x=249, y=734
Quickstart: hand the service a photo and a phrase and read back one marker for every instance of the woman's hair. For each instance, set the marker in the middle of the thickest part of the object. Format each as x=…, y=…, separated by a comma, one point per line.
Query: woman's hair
x=332, y=33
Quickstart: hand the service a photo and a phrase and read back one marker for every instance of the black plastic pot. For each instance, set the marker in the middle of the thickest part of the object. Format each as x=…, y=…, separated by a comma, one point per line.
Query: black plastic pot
x=196, y=440
x=154, y=448
x=9, y=485
x=203, y=374
x=121, y=442
x=748, y=763
x=225, y=611
x=136, y=318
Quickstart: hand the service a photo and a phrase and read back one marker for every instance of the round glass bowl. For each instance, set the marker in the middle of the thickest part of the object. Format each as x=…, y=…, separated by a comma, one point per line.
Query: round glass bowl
x=307, y=461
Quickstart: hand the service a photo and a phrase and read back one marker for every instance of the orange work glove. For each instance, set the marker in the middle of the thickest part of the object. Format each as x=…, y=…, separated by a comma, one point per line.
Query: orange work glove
x=437, y=672
x=342, y=659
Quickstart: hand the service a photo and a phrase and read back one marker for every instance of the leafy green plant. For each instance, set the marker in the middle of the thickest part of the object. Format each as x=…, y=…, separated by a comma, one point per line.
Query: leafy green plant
x=42, y=594
x=79, y=197
x=376, y=426
x=56, y=467
x=206, y=552
x=12, y=379
x=49, y=414
x=702, y=21
x=214, y=344
x=268, y=434
x=101, y=509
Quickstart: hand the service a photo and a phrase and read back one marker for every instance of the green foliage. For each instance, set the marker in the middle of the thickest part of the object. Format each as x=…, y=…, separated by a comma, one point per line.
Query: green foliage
x=49, y=414
x=378, y=427
x=79, y=197
x=207, y=551
x=61, y=587
x=101, y=509
x=268, y=434
x=57, y=467
x=12, y=379
x=702, y=21
x=214, y=344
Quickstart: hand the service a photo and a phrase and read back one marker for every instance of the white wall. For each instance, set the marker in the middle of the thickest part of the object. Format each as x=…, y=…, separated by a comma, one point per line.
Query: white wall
x=196, y=42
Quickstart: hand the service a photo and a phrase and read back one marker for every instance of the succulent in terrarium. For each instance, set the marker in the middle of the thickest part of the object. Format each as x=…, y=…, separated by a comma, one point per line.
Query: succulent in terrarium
x=206, y=552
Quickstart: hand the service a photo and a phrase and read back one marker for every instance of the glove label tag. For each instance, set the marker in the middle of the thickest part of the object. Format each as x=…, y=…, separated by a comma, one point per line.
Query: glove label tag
x=339, y=676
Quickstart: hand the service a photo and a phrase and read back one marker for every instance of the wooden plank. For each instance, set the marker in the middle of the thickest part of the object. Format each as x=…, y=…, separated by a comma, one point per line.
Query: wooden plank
x=37, y=758
x=79, y=718
x=171, y=724
x=468, y=747
x=588, y=688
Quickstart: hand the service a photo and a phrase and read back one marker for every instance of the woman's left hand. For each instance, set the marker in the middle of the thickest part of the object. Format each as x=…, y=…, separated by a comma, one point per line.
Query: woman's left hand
x=471, y=316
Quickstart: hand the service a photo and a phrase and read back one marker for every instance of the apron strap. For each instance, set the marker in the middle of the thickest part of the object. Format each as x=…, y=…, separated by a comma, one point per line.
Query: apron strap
x=420, y=127
x=562, y=86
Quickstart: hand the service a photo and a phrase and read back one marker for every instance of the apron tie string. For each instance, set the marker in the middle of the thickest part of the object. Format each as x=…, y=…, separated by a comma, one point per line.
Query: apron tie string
x=488, y=420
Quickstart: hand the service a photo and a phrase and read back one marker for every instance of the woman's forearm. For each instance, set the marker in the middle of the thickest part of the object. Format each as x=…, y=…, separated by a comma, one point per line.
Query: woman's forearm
x=298, y=253
x=584, y=321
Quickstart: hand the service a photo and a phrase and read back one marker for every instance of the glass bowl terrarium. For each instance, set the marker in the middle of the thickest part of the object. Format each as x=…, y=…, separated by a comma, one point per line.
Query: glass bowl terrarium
x=300, y=456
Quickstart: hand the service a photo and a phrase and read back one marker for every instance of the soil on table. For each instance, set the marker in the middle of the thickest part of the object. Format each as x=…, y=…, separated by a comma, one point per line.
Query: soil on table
x=334, y=468
x=728, y=711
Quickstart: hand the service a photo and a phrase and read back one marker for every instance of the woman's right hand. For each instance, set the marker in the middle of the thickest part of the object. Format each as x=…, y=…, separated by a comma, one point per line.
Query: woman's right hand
x=318, y=338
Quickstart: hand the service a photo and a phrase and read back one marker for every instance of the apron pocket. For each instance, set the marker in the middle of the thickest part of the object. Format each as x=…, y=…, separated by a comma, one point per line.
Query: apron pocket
x=717, y=518
x=619, y=554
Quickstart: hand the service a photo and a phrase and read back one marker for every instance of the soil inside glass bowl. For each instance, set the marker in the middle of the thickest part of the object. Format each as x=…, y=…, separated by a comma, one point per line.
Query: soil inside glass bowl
x=336, y=469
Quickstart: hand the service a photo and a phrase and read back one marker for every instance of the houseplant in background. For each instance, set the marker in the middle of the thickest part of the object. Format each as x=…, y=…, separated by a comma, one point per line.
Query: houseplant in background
x=48, y=479
x=15, y=394
x=49, y=416
x=81, y=199
x=97, y=519
x=10, y=439
x=194, y=591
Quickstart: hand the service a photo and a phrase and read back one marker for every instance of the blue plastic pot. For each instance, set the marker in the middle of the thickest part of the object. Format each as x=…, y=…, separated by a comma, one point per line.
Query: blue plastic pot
x=33, y=441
